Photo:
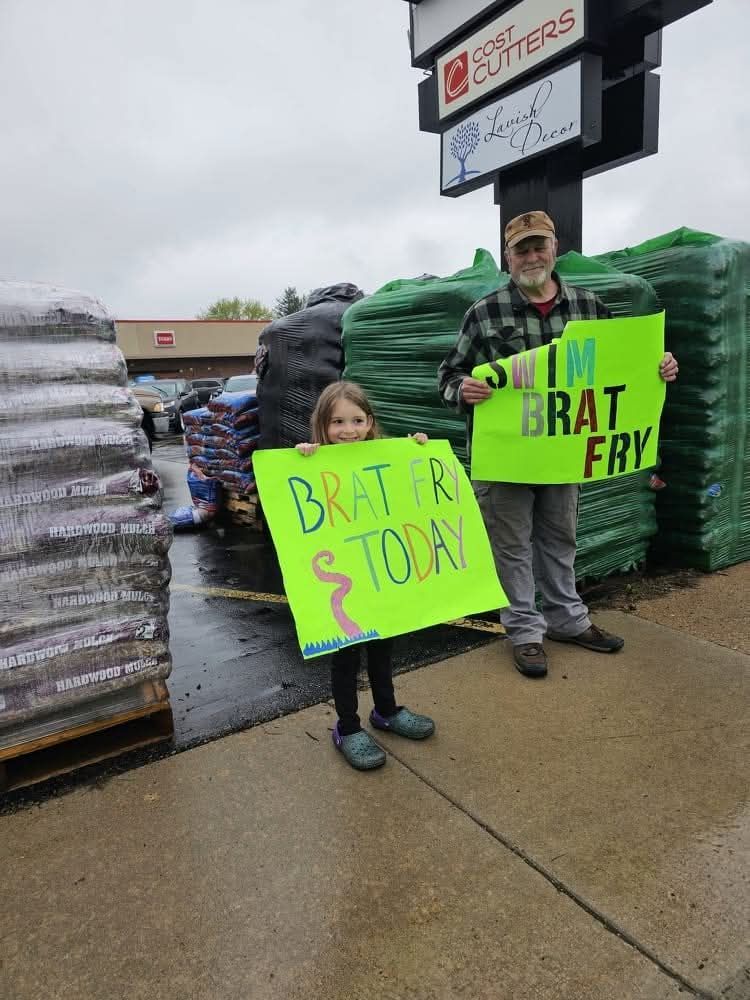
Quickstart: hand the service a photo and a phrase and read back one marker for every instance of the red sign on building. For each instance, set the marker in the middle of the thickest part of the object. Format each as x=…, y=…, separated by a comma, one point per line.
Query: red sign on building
x=164, y=338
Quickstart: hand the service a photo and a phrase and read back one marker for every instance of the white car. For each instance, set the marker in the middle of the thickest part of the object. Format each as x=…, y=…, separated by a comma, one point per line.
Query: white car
x=241, y=383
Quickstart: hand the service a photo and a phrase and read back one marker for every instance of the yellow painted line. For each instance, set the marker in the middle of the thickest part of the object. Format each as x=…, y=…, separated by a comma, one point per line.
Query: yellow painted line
x=478, y=625
x=251, y=595
x=239, y=595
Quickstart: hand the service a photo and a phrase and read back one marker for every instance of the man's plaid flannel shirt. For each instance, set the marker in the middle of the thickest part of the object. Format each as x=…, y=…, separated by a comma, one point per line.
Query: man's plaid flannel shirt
x=504, y=323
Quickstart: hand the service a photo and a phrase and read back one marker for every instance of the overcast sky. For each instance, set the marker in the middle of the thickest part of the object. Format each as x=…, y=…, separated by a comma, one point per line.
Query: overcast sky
x=160, y=154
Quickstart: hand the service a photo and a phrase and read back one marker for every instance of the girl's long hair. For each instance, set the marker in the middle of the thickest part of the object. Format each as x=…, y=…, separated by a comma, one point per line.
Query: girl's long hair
x=332, y=393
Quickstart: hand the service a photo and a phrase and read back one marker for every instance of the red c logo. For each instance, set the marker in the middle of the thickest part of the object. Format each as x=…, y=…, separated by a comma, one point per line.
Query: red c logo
x=456, y=77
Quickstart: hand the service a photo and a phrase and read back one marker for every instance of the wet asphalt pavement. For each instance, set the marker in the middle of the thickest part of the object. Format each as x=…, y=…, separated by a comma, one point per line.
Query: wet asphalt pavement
x=235, y=657
x=236, y=661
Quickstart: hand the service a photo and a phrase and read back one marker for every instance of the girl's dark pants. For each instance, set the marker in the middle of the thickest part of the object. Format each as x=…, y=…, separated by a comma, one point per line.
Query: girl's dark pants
x=344, y=670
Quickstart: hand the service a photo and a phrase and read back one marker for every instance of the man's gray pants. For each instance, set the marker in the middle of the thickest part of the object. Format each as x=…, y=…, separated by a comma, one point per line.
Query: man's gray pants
x=532, y=530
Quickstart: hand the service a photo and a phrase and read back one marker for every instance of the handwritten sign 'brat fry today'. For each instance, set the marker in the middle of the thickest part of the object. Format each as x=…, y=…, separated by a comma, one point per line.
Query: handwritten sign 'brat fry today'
x=585, y=407
x=375, y=539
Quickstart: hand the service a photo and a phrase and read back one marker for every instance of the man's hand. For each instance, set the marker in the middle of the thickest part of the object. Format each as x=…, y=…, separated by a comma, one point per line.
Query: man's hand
x=668, y=368
x=473, y=391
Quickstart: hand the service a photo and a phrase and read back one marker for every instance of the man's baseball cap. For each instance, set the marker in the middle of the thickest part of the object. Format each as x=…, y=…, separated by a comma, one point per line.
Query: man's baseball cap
x=528, y=224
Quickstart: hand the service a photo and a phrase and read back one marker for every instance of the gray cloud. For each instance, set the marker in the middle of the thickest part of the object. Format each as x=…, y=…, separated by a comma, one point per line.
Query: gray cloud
x=162, y=155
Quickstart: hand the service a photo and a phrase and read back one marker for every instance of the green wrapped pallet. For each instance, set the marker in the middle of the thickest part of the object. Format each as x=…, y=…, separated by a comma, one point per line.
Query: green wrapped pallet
x=702, y=282
x=395, y=339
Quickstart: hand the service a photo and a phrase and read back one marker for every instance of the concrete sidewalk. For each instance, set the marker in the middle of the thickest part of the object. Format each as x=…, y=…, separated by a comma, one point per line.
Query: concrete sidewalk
x=585, y=837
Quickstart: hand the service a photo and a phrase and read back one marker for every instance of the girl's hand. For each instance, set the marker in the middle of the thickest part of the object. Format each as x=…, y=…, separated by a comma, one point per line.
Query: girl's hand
x=419, y=437
x=307, y=449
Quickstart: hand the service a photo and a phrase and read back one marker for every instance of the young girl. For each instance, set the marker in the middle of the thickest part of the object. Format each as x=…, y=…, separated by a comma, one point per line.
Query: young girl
x=342, y=415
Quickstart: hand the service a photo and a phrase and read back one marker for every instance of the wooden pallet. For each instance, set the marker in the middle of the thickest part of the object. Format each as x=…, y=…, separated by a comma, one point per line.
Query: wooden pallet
x=65, y=750
x=243, y=509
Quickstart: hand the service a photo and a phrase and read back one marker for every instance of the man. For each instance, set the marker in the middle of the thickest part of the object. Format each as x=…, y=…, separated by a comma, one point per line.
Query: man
x=532, y=528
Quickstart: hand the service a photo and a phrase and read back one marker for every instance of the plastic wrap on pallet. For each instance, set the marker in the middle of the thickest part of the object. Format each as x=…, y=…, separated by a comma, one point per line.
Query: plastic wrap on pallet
x=71, y=575
x=76, y=448
x=97, y=710
x=103, y=642
x=48, y=692
x=211, y=446
x=204, y=492
x=248, y=429
x=232, y=433
x=46, y=314
x=220, y=450
x=186, y=517
x=89, y=400
x=298, y=356
x=197, y=418
x=220, y=469
x=141, y=487
x=395, y=340
x=83, y=543
x=132, y=594
x=66, y=365
x=119, y=530
x=241, y=482
x=703, y=284
x=221, y=459
x=232, y=404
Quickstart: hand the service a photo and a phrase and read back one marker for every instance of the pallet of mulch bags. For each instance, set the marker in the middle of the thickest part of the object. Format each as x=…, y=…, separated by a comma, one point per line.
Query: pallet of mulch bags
x=50, y=747
x=243, y=509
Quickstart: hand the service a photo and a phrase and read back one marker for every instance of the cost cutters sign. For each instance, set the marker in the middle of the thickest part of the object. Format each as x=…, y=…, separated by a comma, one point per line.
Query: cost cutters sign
x=527, y=35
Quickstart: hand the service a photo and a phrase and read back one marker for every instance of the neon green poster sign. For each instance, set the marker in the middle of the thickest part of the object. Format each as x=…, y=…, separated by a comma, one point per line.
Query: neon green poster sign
x=585, y=407
x=375, y=538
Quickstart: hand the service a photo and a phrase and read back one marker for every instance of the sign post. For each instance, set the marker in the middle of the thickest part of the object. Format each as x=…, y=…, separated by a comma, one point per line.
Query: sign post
x=534, y=95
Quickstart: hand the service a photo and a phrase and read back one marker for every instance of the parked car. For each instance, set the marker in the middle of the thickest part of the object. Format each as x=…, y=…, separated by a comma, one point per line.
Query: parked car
x=241, y=383
x=155, y=417
x=179, y=397
x=207, y=387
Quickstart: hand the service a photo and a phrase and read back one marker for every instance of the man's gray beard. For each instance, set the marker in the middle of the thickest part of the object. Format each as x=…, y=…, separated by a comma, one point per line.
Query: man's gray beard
x=534, y=283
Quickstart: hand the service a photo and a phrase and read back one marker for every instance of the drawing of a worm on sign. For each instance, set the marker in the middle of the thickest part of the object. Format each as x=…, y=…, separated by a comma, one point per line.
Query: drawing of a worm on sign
x=352, y=631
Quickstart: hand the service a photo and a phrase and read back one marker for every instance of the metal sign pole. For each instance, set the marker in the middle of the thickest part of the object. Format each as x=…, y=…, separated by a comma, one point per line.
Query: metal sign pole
x=553, y=184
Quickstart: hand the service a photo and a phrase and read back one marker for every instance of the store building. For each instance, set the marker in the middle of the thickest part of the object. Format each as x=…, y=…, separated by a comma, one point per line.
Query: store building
x=189, y=348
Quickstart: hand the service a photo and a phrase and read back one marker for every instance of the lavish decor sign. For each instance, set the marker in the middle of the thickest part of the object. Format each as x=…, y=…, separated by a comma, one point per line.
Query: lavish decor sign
x=375, y=539
x=585, y=407
x=530, y=121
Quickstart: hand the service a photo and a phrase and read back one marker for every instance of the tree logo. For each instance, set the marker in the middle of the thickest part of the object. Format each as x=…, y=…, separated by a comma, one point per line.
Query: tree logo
x=456, y=78
x=464, y=142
